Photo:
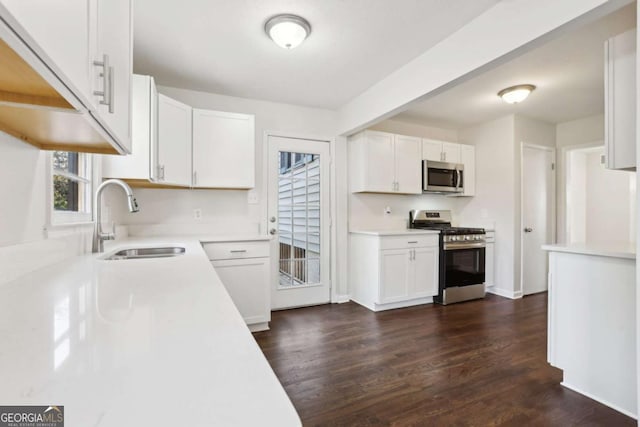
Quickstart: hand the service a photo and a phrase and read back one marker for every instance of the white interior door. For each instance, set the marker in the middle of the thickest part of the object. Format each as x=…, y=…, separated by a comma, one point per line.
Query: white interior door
x=299, y=220
x=537, y=215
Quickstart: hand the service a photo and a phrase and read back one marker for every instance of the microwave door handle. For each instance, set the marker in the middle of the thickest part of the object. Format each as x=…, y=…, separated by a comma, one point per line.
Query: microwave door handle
x=459, y=179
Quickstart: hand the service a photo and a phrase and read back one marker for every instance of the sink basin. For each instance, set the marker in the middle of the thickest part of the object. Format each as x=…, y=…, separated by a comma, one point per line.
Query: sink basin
x=138, y=253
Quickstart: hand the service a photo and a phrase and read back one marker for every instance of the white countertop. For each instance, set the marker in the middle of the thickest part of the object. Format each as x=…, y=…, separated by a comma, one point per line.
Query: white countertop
x=136, y=343
x=614, y=250
x=403, y=232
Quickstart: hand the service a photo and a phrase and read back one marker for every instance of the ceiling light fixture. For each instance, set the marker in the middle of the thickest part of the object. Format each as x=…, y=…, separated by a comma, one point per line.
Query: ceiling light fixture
x=287, y=31
x=515, y=94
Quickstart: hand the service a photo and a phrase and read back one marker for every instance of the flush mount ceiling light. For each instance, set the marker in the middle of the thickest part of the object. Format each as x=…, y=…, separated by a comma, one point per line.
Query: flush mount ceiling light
x=515, y=94
x=287, y=31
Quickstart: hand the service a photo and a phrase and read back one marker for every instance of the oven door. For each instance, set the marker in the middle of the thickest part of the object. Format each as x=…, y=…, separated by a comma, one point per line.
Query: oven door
x=440, y=177
x=463, y=264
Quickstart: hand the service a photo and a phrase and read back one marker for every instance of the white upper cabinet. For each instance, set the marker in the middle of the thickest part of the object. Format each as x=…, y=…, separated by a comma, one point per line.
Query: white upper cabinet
x=382, y=162
x=432, y=150
x=174, y=142
x=62, y=29
x=407, y=162
x=76, y=56
x=142, y=163
x=113, y=67
x=223, y=150
x=468, y=160
x=620, y=101
x=440, y=151
x=450, y=152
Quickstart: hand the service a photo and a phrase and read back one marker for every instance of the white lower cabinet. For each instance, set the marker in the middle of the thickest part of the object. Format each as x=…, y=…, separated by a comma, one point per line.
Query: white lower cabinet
x=489, y=261
x=393, y=271
x=243, y=268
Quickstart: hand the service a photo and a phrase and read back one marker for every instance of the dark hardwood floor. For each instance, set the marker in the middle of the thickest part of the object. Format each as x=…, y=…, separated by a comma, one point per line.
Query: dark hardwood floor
x=477, y=363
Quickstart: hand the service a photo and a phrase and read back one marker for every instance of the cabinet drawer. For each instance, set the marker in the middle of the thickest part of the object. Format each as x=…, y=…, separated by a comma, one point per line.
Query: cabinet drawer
x=236, y=250
x=402, y=242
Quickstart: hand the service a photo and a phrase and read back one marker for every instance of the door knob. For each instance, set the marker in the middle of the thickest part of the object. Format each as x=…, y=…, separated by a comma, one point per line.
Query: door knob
x=272, y=231
x=528, y=230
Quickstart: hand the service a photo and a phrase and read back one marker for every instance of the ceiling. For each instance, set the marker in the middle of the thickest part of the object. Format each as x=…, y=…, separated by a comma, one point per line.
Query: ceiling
x=568, y=73
x=220, y=46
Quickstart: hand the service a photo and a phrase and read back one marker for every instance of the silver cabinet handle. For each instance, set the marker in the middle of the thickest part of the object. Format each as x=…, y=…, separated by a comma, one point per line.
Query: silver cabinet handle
x=107, y=83
x=195, y=178
x=161, y=172
x=238, y=251
x=412, y=241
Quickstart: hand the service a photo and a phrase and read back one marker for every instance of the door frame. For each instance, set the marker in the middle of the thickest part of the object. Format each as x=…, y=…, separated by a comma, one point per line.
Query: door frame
x=333, y=235
x=554, y=195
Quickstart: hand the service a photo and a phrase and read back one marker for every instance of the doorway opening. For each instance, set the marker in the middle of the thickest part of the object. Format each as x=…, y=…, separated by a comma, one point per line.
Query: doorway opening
x=600, y=203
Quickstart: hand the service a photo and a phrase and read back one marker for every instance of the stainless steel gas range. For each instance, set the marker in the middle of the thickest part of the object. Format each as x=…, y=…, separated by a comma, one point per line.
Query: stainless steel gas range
x=462, y=256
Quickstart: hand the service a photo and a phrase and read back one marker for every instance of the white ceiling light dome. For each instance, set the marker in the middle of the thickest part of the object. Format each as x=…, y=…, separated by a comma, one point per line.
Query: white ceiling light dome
x=515, y=94
x=287, y=31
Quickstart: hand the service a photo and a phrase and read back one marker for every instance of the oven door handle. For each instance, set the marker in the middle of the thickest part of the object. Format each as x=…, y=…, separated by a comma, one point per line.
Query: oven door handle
x=470, y=245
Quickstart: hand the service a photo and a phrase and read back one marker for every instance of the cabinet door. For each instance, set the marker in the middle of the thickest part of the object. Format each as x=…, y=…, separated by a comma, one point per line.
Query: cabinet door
x=394, y=275
x=620, y=101
x=174, y=142
x=138, y=165
x=425, y=280
x=450, y=152
x=489, y=267
x=380, y=162
x=468, y=159
x=247, y=282
x=61, y=28
x=408, y=165
x=114, y=44
x=432, y=150
x=223, y=149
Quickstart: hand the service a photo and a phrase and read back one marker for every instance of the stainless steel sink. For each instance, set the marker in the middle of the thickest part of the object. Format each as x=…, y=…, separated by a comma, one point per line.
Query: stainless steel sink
x=138, y=253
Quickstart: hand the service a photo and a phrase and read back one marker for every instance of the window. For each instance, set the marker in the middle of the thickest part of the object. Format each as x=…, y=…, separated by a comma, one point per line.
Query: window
x=71, y=176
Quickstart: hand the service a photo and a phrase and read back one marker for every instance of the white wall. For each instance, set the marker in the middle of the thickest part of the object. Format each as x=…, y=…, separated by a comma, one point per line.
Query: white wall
x=367, y=211
x=585, y=132
x=494, y=201
x=23, y=191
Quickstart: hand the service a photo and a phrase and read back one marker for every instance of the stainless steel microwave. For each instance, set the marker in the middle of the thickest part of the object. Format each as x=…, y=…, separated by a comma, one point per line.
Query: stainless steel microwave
x=441, y=177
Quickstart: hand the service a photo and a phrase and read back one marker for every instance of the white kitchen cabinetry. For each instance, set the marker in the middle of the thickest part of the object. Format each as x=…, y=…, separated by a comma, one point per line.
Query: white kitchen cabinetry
x=468, y=159
x=141, y=165
x=385, y=163
x=620, y=101
x=440, y=151
x=489, y=260
x=55, y=53
x=243, y=268
x=223, y=149
x=174, y=142
x=393, y=271
x=113, y=66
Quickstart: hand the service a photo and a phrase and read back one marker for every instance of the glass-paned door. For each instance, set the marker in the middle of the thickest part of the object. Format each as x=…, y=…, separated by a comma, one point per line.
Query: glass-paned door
x=298, y=205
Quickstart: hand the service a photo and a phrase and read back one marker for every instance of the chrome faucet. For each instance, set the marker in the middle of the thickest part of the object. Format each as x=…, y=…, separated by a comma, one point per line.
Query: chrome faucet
x=98, y=235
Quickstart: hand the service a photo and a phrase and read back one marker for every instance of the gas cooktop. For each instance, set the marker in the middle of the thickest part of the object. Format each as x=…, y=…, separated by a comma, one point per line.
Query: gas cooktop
x=439, y=220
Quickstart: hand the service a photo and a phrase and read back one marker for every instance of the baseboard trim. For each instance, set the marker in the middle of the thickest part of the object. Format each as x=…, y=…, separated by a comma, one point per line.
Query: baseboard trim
x=395, y=305
x=504, y=293
x=259, y=327
x=341, y=299
x=597, y=399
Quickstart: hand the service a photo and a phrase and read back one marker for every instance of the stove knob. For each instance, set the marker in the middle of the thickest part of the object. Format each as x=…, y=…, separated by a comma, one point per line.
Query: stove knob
x=467, y=237
x=478, y=237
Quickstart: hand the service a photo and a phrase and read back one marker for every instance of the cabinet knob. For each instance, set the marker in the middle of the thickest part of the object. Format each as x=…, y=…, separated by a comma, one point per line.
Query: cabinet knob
x=273, y=231
x=528, y=230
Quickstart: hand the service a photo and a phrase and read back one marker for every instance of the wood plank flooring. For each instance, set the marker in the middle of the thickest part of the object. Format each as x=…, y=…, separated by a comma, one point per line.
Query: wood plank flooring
x=472, y=364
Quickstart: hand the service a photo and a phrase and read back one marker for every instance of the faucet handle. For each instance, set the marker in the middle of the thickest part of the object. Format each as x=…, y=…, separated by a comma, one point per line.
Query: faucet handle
x=111, y=235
